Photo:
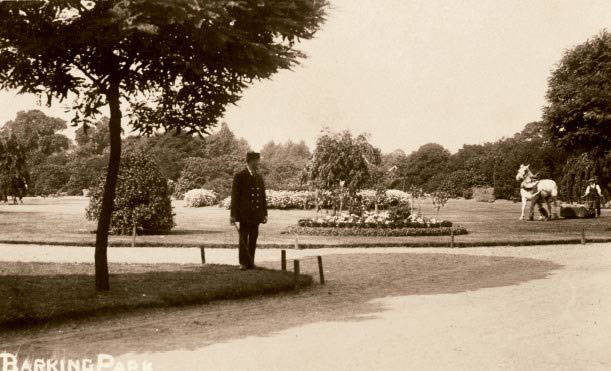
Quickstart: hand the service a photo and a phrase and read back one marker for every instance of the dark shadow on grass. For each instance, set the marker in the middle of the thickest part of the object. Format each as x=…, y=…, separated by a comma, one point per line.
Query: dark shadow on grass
x=34, y=293
x=353, y=281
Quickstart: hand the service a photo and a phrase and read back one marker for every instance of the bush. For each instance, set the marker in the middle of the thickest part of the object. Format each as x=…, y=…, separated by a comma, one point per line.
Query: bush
x=200, y=198
x=285, y=200
x=467, y=193
x=142, y=197
x=289, y=199
x=483, y=194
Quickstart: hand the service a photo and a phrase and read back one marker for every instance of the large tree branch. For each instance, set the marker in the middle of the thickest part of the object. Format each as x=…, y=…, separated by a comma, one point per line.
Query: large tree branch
x=96, y=81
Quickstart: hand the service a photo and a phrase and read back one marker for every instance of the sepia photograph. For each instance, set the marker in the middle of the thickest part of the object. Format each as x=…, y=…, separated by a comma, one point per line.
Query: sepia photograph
x=236, y=185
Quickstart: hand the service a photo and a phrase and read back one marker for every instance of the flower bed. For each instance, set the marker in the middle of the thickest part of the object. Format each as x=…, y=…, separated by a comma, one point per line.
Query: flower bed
x=372, y=224
x=374, y=232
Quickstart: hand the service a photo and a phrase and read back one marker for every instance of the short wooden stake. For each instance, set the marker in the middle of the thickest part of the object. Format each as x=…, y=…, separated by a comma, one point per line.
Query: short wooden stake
x=583, y=235
x=320, y=271
x=296, y=273
x=283, y=259
x=134, y=236
x=201, y=248
x=452, y=238
x=296, y=243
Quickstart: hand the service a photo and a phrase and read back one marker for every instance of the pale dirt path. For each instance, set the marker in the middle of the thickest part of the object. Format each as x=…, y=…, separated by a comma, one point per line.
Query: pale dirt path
x=151, y=255
x=562, y=322
x=559, y=323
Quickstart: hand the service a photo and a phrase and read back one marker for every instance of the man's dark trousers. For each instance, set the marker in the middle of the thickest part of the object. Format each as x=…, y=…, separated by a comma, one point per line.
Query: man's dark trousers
x=248, y=243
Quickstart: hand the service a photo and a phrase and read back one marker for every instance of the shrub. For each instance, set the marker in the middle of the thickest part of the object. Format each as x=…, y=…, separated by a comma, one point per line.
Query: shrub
x=225, y=202
x=298, y=199
x=399, y=213
x=483, y=194
x=200, y=198
x=467, y=193
x=142, y=197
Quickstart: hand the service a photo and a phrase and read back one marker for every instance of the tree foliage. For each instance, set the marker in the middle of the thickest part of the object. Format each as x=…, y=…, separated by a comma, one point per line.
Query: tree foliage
x=284, y=163
x=578, y=114
x=422, y=165
x=340, y=158
x=223, y=156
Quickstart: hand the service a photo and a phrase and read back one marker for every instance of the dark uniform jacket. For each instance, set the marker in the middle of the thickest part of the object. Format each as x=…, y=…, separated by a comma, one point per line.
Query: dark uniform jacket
x=248, y=202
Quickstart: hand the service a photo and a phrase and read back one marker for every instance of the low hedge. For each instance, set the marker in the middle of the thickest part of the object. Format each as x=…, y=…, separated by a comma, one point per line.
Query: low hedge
x=374, y=232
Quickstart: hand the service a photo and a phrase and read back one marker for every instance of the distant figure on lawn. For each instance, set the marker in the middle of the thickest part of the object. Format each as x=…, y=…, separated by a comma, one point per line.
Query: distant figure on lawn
x=594, y=194
x=249, y=208
x=18, y=188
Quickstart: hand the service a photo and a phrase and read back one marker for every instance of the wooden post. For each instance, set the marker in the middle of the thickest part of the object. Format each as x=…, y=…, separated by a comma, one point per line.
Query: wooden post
x=452, y=237
x=320, y=271
x=283, y=259
x=583, y=235
x=134, y=236
x=201, y=248
x=296, y=243
x=296, y=273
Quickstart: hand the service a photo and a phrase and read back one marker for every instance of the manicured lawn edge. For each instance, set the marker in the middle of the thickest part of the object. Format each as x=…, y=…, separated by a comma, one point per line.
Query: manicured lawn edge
x=32, y=299
x=407, y=244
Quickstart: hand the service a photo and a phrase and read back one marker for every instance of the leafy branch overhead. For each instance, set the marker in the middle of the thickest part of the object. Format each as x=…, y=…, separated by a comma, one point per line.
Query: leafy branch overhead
x=176, y=63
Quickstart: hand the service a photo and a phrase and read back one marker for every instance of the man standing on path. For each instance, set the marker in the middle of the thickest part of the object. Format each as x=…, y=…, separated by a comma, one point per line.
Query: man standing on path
x=249, y=208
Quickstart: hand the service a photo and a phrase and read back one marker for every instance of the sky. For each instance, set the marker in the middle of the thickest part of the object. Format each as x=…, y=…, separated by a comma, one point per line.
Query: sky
x=408, y=73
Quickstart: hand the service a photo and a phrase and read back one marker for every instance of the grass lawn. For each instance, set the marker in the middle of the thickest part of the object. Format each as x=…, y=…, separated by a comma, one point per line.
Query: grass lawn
x=62, y=221
x=38, y=292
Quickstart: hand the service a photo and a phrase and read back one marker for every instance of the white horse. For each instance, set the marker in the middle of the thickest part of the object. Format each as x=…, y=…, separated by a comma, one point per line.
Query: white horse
x=530, y=188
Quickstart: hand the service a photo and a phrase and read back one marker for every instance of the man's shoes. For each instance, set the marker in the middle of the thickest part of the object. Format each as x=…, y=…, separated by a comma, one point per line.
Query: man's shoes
x=243, y=267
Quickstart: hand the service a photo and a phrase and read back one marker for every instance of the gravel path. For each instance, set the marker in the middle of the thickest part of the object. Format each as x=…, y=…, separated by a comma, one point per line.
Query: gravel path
x=559, y=323
x=543, y=308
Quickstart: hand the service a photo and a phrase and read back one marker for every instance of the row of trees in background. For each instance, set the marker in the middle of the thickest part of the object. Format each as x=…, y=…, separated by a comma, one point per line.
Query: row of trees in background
x=51, y=163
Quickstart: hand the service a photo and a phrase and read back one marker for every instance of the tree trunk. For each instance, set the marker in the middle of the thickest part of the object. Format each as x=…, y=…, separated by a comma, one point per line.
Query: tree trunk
x=108, y=198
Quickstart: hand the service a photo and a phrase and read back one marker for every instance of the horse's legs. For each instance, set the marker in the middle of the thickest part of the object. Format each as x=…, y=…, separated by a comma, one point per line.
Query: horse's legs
x=523, y=208
x=549, y=208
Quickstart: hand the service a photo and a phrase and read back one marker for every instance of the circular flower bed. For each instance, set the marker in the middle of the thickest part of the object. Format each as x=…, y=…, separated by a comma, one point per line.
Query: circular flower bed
x=374, y=232
x=383, y=224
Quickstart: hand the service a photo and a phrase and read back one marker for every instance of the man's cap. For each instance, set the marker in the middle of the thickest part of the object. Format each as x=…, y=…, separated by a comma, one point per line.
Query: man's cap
x=253, y=156
x=592, y=180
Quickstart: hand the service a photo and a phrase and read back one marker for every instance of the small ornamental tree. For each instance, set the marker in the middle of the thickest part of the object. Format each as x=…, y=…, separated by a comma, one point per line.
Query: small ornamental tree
x=161, y=64
x=143, y=198
x=341, y=163
x=439, y=198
